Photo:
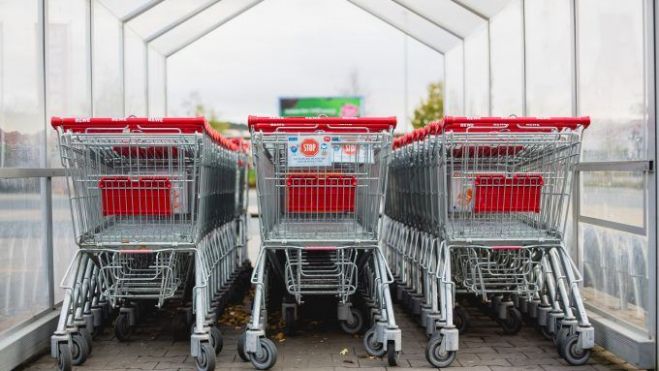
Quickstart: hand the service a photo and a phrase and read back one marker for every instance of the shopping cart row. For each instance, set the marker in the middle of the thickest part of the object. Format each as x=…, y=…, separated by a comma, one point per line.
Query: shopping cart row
x=473, y=208
x=478, y=208
x=320, y=185
x=158, y=208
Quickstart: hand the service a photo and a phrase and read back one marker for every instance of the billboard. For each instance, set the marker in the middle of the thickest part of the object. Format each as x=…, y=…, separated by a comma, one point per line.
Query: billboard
x=315, y=106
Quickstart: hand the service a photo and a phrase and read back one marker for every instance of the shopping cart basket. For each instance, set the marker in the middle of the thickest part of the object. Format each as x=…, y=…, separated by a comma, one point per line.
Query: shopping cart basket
x=320, y=183
x=156, y=210
x=494, y=193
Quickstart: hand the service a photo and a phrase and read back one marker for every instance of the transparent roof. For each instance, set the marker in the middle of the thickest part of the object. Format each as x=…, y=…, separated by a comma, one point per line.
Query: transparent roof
x=170, y=25
x=446, y=14
x=410, y=23
x=200, y=24
x=485, y=8
x=167, y=14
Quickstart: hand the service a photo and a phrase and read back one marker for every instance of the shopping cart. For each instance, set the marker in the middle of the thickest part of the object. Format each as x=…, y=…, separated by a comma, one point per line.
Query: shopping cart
x=493, y=194
x=320, y=184
x=158, y=214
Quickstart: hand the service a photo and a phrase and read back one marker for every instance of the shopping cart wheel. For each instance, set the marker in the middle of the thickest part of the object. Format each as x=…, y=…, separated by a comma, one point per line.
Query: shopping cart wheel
x=373, y=347
x=512, y=323
x=561, y=339
x=205, y=361
x=572, y=353
x=241, y=348
x=435, y=355
x=461, y=319
x=122, y=329
x=266, y=356
x=64, y=362
x=79, y=349
x=353, y=327
x=87, y=336
x=392, y=354
x=216, y=339
x=545, y=332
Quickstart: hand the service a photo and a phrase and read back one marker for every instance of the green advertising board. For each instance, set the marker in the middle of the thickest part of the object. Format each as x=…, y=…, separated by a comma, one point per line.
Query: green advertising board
x=313, y=106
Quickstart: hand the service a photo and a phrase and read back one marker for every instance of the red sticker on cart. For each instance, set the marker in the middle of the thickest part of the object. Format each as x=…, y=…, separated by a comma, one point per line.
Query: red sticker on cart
x=309, y=147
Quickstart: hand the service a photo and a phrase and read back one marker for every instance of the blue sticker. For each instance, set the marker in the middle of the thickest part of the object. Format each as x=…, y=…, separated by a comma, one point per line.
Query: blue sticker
x=293, y=149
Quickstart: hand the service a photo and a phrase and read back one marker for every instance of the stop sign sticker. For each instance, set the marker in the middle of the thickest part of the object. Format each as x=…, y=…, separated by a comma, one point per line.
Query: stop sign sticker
x=309, y=147
x=350, y=149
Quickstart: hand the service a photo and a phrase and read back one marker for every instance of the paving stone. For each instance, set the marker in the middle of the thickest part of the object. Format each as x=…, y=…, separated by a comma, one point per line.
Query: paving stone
x=482, y=348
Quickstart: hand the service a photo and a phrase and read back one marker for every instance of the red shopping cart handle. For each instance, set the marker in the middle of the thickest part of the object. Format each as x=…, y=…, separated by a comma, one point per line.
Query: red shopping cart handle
x=311, y=124
x=185, y=125
x=165, y=125
x=512, y=124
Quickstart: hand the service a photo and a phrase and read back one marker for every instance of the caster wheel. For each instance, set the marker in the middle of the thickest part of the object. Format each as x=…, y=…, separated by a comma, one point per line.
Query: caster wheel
x=241, y=348
x=87, y=336
x=205, y=361
x=122, y=329
x=545, y=332
x=266, y=356
x=216, y=339
x=392, y=354
x=289, y=322
x=373, y=347
x=572, y=353
x=435, y=355
x=461, y=319
x=560, y=340
x=513, y=322
x=79, y=349
x=64, y=361
x=354, y=326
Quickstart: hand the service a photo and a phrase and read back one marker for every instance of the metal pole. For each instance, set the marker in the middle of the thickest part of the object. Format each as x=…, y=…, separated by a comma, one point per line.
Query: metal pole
x=90, y=40
x=524, y=83
x=45, y=183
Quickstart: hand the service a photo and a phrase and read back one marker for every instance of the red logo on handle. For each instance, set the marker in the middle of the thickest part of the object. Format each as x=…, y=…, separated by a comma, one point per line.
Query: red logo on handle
x=309, y=147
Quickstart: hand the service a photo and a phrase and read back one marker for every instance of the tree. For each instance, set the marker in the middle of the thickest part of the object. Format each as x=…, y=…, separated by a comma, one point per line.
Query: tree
x=431, y=108
x=195, y=107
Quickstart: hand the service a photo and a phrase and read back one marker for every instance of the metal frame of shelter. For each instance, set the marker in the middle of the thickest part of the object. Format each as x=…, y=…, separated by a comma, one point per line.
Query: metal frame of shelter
x=420, y=20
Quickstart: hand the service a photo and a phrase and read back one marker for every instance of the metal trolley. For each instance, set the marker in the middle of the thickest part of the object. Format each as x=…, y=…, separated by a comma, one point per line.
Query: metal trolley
x=479, y=206
x=158, y=213
x=320, y=186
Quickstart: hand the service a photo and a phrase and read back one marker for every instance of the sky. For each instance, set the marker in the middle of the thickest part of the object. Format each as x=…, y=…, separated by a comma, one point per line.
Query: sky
x=298, y=48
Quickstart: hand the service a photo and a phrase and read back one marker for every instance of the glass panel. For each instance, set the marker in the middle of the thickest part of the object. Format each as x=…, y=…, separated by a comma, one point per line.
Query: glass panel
x=21, y=120
x=68, y=65
x=507, y=58
x=135, y=54
x=413, y=24
x=611, y=78
x=164, y=14
x=157, y=84
x=615, y=273
x=476, y=74
x=548, y=58
x=614, y=195
x=23, y=279
x=454, y=97
x=108, y=80
x=446, y=13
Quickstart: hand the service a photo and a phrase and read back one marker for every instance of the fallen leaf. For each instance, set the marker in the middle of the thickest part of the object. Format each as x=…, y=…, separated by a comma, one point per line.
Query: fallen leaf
x=344, y=352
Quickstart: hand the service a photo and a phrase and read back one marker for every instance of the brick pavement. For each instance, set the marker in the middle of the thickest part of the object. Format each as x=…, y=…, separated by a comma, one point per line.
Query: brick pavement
x=484, y=348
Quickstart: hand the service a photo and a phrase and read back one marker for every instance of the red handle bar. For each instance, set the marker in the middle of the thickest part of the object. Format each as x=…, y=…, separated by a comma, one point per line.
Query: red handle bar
x=310, y=124
x=165, y=125
x=514, y=124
